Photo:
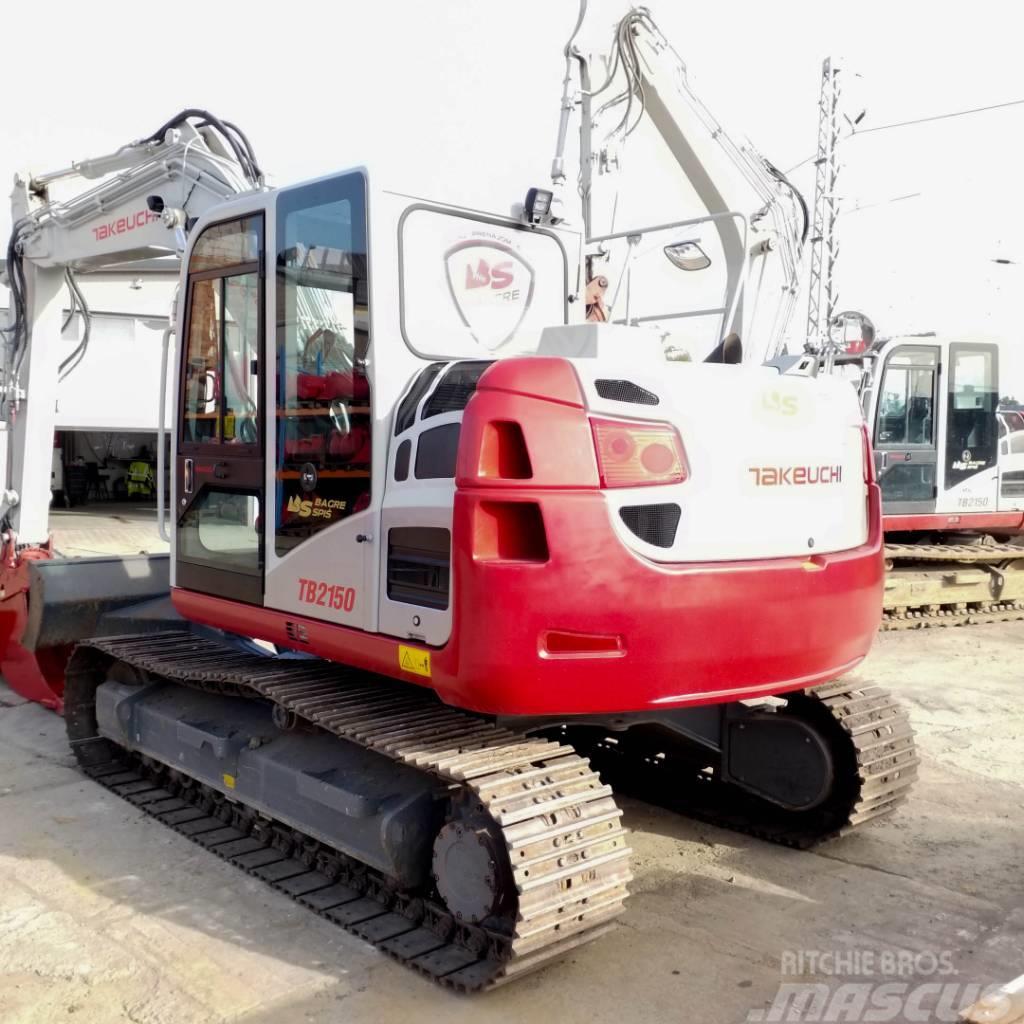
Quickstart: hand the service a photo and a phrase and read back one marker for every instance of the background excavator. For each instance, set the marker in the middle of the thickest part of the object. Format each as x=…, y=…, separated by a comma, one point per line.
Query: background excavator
x=950, y=464
x=949, y=460
x=441, y=546
x=949, y=456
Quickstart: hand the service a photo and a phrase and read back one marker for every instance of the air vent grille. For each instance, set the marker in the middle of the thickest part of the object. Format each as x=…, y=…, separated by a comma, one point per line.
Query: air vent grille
x=653, y=524
x=1012, y=483
x=419, y=560
x=455, y=388
x=407, y=410
x=625, y=391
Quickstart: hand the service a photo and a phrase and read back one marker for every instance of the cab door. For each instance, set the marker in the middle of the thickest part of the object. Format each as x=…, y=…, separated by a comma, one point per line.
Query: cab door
x=219, y=456
x=322, y=536
x=971, y=474
x=906, y=430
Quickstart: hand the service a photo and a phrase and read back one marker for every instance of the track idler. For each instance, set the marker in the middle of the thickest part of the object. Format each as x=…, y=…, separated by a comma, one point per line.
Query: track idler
x=779, y=757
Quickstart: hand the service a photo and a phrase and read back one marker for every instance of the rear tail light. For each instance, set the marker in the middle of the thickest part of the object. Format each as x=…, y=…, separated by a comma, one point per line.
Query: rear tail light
x=638, y=454
x=869, y=455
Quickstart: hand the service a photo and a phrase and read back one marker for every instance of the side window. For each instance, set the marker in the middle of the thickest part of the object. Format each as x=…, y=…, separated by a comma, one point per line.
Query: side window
x=220, y=396
x=971, y=434
x=906, y=405
x=221, y=530
x=202, y=362
x=323, y=395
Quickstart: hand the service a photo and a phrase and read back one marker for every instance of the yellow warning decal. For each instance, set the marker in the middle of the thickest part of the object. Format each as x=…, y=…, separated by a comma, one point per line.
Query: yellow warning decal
x=229, y=781
x=412, y=659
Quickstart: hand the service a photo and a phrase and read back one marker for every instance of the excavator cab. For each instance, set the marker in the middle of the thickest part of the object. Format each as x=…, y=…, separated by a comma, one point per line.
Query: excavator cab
x=935, y=432
x=950, y=472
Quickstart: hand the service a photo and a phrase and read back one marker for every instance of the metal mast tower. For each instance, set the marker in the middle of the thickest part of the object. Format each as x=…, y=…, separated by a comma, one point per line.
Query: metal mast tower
x=822, y=298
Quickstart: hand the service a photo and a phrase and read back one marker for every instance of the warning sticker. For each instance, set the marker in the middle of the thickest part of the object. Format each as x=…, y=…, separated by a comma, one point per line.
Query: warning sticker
x=229, y=781
x=412, y=659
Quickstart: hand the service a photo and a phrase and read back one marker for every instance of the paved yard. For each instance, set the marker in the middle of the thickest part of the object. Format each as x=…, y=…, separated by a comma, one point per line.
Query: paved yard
x=107, y=916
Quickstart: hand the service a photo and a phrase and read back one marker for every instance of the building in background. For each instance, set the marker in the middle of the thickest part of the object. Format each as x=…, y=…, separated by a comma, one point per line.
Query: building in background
x=108, y=402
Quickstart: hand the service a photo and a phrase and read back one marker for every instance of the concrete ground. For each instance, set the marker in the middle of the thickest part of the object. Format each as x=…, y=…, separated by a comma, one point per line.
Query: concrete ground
x=106, y=528
x=107, y=916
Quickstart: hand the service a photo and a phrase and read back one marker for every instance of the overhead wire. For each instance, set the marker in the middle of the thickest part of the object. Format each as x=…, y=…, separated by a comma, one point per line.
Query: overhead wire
x=915, y=121
x=939, y=117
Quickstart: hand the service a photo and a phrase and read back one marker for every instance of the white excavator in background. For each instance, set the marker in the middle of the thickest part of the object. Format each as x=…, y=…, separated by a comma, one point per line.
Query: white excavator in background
x=194, y=161
x=950, y=463
x=443, y=518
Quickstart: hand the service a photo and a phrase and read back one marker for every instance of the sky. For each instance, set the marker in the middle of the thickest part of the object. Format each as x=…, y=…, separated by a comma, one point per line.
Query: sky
x=460, y=99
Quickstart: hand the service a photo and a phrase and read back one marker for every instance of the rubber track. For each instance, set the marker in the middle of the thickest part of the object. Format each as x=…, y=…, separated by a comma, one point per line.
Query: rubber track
x=878, y=728
x=954, y=552
x=949, y=615
x=560, y=823
x=873, y=736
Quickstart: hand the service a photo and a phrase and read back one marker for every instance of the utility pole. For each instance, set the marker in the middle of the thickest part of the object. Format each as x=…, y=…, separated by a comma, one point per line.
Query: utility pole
x=822, y=297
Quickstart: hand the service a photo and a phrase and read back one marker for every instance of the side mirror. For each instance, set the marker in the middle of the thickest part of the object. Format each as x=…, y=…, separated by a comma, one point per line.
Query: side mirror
x=728, y=350
x=687, y=256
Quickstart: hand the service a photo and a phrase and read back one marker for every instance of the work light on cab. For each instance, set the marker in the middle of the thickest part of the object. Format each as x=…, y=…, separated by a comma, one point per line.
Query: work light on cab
x=638, y=454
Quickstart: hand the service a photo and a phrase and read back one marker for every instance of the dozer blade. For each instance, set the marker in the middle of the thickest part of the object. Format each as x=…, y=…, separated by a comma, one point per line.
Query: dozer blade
x=50, y=604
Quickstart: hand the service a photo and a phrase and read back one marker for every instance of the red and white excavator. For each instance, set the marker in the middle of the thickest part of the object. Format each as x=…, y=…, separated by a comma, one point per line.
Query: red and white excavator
x=442, y=546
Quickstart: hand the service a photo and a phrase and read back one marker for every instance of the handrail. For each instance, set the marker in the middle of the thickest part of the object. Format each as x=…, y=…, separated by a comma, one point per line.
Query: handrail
x=741, y=284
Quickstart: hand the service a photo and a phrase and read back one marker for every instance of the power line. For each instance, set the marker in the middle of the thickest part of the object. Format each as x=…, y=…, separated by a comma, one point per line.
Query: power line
x=884, y=202
x=918, y=120
x=939, y=117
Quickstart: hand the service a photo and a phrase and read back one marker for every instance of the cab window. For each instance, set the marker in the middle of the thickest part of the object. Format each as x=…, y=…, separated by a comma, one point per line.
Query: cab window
x=906, y=403
x=323, y=393
x=220, y=378
x=971, y=433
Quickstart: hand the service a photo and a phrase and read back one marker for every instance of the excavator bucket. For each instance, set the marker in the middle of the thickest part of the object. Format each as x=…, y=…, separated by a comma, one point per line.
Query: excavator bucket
x=50, y=604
